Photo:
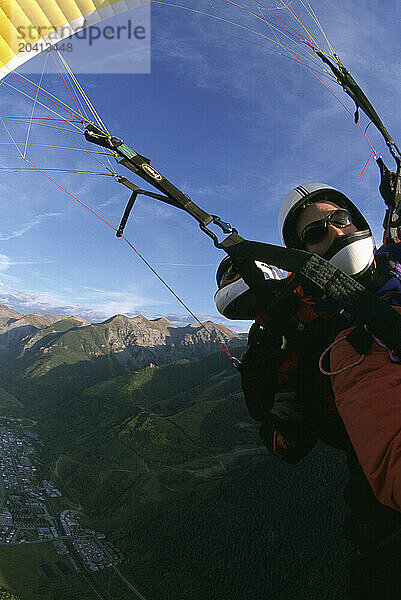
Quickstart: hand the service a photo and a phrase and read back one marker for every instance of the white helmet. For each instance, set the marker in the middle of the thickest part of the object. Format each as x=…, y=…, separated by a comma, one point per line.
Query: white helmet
x=353, y=253
x=234, y=299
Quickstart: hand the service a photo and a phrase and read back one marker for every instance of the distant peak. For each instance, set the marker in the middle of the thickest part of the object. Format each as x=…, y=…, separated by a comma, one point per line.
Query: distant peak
x=6, y=311
x=80, y=319
x=163, y=320
x=119, y=318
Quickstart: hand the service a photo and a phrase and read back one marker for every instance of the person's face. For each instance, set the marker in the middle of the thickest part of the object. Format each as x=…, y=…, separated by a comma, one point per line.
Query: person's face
x=316, y=212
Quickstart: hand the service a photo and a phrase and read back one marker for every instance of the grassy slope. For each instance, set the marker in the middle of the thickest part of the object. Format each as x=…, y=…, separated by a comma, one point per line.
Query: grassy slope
x=114, y=438
x=62, y=363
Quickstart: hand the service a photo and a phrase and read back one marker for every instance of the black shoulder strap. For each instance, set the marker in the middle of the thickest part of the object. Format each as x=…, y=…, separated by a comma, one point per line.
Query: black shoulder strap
x=364, y=306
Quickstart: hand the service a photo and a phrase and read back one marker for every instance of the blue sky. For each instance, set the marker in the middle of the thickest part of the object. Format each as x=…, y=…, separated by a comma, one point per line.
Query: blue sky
x=230, y=121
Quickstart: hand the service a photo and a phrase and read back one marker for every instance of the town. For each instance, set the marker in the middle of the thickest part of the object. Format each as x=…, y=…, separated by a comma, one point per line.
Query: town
x=28, y=511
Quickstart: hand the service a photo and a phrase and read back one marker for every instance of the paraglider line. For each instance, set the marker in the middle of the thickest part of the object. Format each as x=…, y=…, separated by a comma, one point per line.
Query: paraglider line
x=44, y=90
x=217, y=18
x=42, y=119
x=336, y=97
x=11, y=138
x=45, y=95
x=75, y=89
x=253, y=31
x=367, y=162
x=279, y=27
x=26, y=169
x=61, y=148
x=41, y=104
x=307, y=57
x=292, y=11
x=82, y=92
x=66, y=85
x=223, y=345
x=71, y=194
x=55, y=127
x=33, y=107
x=136, y=252
x=278, y=17
x=312, y=13
x=224, y=348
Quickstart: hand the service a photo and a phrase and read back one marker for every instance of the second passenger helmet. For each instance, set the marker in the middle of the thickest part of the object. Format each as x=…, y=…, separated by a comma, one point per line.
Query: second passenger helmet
x=233, y=299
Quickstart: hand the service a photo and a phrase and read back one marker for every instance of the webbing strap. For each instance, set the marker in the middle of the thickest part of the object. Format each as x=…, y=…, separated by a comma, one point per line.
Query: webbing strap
x=140, y=165
x=381, y=319
x=351, y=87
x=390, y=189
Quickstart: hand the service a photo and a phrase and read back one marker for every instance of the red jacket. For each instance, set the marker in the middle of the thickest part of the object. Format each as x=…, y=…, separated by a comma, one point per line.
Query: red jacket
x=368, y=398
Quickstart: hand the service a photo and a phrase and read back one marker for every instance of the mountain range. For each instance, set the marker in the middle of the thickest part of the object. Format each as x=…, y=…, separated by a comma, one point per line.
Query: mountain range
x=132, y=342
x=53, y=347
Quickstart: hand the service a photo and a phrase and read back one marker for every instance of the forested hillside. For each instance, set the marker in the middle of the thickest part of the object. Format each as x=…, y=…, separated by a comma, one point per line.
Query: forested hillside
x=168, y=463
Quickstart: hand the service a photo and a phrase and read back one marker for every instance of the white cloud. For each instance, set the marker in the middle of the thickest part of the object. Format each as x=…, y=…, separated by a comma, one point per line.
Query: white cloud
x=121, y=301
x=223, y=190
x=113, y=200
x=102, y=292
x=37, y=220
x=45, y=303
x=4, y=262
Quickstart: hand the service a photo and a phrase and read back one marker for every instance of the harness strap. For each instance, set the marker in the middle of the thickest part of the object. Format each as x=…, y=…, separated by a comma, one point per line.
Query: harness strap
x=364, y=306
x=390, y=189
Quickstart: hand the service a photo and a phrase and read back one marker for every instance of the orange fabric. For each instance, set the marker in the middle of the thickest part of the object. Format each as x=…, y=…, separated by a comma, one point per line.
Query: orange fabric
x=287, y=368
x=279, y=444
x=368, y=398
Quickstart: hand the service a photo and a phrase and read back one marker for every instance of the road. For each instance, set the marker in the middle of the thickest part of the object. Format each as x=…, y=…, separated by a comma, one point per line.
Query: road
x=128, y=584
x=13, y=398
x=88, y=575
x=73, y=554
x=13, y=458
x=227, y=457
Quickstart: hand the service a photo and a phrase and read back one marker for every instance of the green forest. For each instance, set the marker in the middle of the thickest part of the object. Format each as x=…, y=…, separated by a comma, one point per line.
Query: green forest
x=168, y=463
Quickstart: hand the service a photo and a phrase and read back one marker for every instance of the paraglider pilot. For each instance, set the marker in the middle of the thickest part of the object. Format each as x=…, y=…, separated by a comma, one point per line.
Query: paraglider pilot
x=310, y=373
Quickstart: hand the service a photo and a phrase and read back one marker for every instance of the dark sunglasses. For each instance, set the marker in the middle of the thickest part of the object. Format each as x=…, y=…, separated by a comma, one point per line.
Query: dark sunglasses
x=316, y=231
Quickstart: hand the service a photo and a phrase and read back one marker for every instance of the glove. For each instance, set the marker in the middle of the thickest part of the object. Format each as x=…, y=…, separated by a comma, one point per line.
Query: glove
x=287, y=437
